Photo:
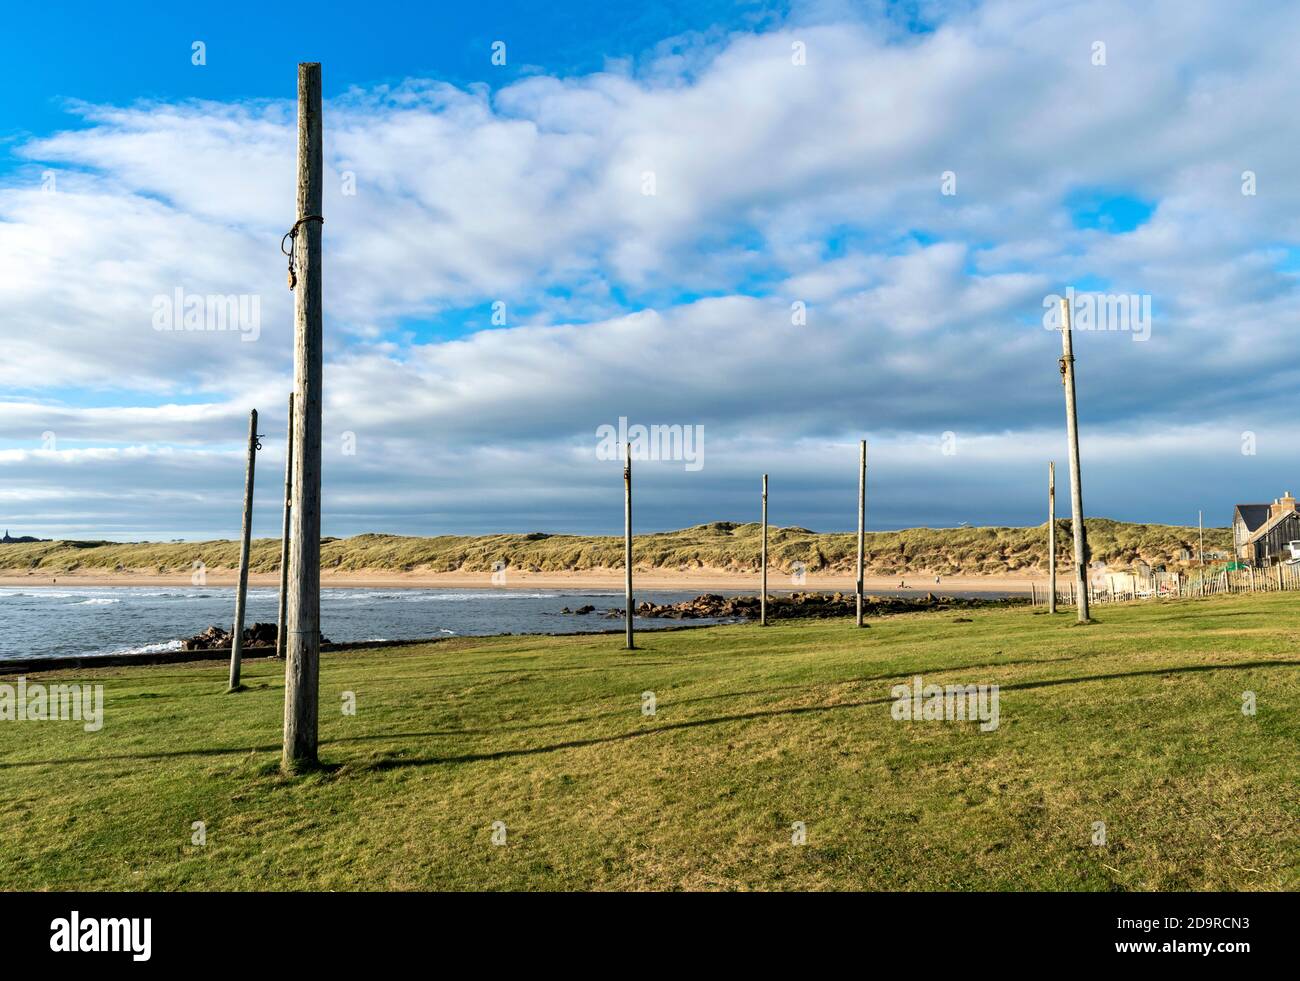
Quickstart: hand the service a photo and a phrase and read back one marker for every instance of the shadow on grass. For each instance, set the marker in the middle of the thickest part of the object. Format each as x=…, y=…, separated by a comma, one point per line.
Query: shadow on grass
x=1210, y=612
x=722, y=696
x=594, y=668
x=794, y=711
x=621, y=737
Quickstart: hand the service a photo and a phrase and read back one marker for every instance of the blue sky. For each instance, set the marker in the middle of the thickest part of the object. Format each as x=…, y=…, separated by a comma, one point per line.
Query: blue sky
x=102, y=53
x=622, y=220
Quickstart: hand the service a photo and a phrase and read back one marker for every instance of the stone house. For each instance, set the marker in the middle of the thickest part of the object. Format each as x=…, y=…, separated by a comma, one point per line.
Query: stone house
x=1261, y=532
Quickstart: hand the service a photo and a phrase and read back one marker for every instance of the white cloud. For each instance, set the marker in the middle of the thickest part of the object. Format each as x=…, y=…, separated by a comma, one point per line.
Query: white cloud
x=774, y=182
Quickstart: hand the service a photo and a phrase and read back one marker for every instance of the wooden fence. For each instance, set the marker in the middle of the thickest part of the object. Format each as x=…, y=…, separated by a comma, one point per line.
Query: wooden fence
x=1175, y=585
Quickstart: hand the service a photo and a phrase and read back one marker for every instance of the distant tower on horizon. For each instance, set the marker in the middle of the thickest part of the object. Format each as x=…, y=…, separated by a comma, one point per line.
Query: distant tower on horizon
x=20, y=540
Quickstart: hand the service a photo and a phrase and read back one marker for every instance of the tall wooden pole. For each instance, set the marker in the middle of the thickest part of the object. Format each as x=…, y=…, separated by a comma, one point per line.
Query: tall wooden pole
x=862, y=514
x=762, y=599
x=1076, y=481
x=284, y=534
x=241, y=590
x=302, y=634
x=1200, y=549
x=627, y=546
x=1051, y=536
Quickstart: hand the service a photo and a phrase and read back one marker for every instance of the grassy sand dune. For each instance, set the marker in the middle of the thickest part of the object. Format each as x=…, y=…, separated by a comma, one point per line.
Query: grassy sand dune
x=1135, y=721
x=721, y=546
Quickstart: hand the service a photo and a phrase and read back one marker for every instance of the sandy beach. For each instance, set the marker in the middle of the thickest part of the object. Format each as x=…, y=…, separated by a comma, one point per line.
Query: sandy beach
x=703, y=580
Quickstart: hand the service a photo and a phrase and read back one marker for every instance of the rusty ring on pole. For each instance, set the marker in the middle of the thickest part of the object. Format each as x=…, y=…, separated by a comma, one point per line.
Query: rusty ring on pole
x=292, y=236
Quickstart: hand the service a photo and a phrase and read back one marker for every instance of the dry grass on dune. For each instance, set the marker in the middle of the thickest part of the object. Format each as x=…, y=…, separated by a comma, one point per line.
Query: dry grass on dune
x=721, y=545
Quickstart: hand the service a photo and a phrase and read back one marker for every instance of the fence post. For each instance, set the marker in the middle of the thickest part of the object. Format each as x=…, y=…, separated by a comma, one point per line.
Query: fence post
x=862, y=520
x=762, y=602
x=1051, y=536
x=245, y=543
x=630, y=642
x=1076, y=480
x=284, y=535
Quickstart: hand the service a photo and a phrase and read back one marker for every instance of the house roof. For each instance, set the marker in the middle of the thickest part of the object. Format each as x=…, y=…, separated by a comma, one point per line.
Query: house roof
x=1270, y=524
x=1253, y=515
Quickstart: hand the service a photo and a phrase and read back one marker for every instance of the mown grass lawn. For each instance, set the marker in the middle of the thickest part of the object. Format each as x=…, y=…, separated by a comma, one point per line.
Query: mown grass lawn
x=1135, y=721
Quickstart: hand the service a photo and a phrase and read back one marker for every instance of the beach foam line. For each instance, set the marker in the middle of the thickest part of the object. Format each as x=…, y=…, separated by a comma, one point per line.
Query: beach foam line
x=164, y=647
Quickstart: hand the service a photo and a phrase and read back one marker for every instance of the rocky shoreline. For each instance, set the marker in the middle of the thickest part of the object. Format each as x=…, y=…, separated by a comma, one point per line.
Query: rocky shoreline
x=707, y=606
x=712, y=606
x=219, y=638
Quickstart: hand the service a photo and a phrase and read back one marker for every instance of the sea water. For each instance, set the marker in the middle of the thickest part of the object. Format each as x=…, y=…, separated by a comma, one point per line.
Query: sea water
x=48, y=621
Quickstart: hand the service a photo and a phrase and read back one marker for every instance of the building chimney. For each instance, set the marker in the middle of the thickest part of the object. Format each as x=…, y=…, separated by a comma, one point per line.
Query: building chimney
x=1283, y=504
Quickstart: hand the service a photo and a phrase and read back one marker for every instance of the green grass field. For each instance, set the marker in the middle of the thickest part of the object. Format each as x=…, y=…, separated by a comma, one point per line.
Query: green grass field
x=1135, y=721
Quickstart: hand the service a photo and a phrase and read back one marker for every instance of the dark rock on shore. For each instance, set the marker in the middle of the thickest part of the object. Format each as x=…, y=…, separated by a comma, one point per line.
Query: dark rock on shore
x=712, y=606
x=218, y=638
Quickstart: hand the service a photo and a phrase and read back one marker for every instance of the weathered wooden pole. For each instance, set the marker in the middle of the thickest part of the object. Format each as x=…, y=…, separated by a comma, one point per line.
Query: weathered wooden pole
x=1076, y=481
x=284, y=533
x=627, y=546
x=862, y=515
x=762, y=598
x=1200, y=550
x=241, y=590
x=1051, y=536
x=302, y=633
